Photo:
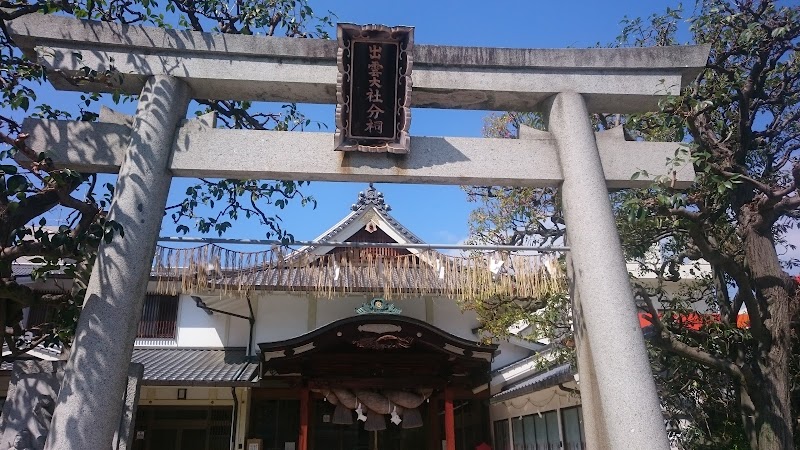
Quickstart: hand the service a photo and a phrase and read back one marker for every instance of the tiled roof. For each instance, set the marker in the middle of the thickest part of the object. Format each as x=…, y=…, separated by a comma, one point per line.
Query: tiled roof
x=372, y=198
x=194, y=366
x=25, y=269
x=516, y=364
x=550, y=377
x=40, y=352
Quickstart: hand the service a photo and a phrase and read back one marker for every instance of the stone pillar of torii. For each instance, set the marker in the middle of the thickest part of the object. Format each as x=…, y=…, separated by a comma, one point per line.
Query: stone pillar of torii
x=168, y=68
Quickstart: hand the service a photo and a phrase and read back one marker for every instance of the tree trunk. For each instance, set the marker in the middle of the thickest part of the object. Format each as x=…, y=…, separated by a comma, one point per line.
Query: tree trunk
x=773, y=423
x=771, y=393
x=747, y=414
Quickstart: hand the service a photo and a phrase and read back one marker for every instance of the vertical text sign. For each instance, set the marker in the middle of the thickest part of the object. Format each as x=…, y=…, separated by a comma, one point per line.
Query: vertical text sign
x=374, y=88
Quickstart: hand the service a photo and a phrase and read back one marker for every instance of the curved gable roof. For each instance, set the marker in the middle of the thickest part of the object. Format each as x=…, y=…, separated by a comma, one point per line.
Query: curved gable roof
x=370, y=205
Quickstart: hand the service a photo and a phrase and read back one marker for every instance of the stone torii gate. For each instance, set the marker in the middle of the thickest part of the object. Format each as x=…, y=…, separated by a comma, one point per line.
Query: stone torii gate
x=169, y=68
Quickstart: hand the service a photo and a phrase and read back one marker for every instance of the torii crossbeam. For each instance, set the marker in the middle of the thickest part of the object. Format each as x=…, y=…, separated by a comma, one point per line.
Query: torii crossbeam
x=169, y=68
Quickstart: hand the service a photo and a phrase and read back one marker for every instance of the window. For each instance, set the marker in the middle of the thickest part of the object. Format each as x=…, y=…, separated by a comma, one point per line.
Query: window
x=572, y=419
x=40, y=313
x=471, y=419
x=517, y=434
x=501, y=435
x=536, y=432
x=159, y=317
x=190, y=428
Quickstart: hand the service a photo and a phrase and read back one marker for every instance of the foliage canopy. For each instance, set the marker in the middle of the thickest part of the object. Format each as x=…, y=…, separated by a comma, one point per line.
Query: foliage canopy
x=36, y=197
x=741, y=118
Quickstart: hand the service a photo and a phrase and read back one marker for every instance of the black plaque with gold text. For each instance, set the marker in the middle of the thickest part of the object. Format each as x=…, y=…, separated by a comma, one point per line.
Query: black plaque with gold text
x=373, y=93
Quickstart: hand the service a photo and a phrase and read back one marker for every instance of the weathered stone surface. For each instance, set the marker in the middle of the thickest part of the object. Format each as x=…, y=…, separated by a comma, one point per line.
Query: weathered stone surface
x=242, y=67
x=31, y=398
x=30, y=402
x=625, y=390
x=255, y=68
x=199, y=148
x=90, y=402
x=91, y=147
x=123, y=438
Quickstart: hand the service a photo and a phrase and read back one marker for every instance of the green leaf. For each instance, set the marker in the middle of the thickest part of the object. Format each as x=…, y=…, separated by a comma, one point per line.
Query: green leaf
x=16, y=183
x=8, y=169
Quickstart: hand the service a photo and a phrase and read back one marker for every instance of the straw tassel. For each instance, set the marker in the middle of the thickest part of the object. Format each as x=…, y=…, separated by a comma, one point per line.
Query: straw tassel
x=466, y=279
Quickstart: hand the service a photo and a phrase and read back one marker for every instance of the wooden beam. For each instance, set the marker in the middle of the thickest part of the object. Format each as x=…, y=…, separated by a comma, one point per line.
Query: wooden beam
x=302, y=440
x=449, y=420
x=356, y=382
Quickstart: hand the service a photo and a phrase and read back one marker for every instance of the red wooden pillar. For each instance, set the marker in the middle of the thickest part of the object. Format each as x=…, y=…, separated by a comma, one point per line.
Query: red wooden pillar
x=302, y=440
x=449, y=420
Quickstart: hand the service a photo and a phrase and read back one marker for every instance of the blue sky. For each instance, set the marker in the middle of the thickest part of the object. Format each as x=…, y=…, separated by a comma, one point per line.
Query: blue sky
x=437, y=214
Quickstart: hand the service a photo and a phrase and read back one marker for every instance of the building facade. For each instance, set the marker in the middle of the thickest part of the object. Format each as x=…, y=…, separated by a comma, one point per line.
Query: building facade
x=268, y=371
x=277, y=366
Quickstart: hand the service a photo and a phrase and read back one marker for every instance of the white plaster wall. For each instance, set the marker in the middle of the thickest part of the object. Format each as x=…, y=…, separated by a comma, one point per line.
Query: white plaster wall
x=168, y=395
x=238, y=328
x=333, y=309
x=448, y=316
x=280, y=316
x=412, y=307
x=198, y=329
x=541, y=401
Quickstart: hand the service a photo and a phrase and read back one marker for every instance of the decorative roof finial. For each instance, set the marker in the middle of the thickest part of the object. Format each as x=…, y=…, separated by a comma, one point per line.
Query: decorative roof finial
x=372, y=197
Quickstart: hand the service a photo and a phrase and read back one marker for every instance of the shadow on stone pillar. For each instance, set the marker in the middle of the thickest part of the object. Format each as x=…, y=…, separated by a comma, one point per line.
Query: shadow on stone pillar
x=31, y=400
x=90, y=400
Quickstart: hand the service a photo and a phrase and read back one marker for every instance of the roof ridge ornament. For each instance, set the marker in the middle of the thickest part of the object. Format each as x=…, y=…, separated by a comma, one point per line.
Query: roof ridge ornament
x=378, y=306
x=372, y=197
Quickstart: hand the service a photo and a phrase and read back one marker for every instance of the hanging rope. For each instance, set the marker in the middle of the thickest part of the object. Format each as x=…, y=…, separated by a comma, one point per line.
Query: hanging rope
x=473, y=277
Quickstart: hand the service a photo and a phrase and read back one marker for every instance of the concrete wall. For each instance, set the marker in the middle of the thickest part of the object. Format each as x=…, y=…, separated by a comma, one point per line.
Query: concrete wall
x=198, y=329
x=448, y=316
x=282, y=315
x=545, y=400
